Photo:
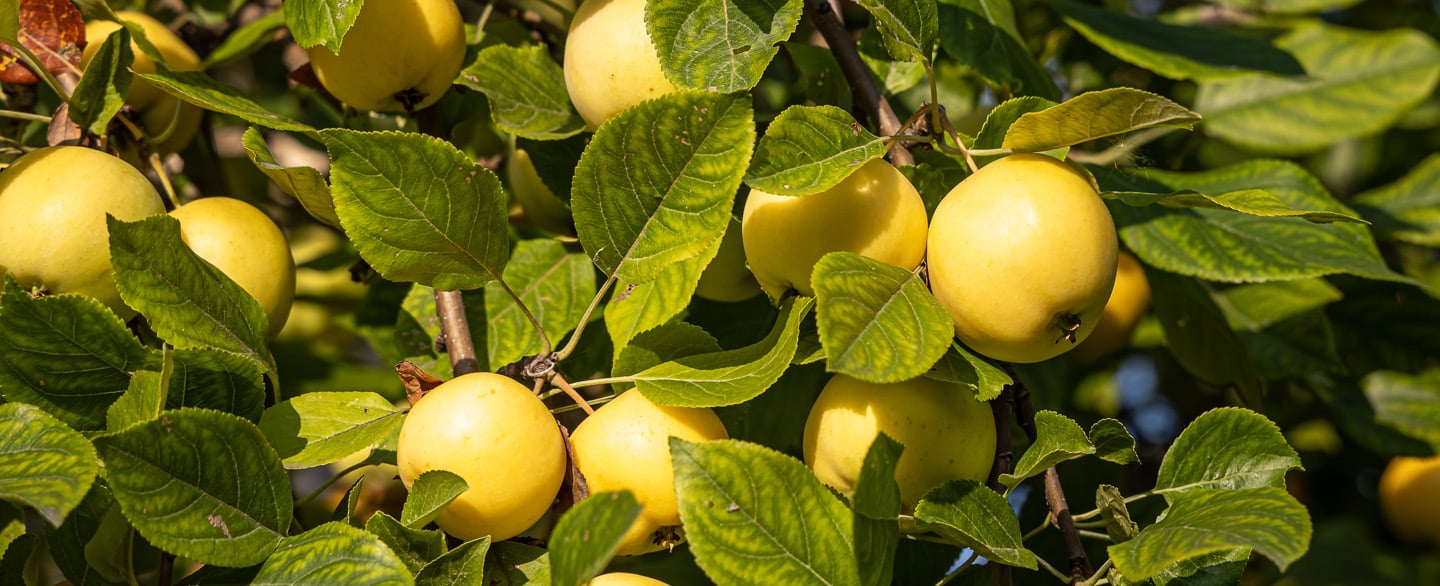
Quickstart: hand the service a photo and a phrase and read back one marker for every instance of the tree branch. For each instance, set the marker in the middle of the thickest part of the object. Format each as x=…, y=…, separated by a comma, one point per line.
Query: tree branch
x=1054, y=491
x=1003, y=409
x=862, y=84
x=455, y=327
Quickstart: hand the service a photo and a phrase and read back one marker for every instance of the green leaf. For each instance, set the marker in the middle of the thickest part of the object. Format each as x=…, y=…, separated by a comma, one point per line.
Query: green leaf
x=1290, y=6
x=1254, y=202
x=105, y=83
x=818, y=74
x=188, y=301
x=321, y=22
x=1093, y=115
x=200, y=484
x=878, y=322
x=968, y=514
x=555, y=285
x=1229, y=448
x=511, y=563
x=44, y=464
x=982, y=34
x=1205, y=521
x=431, y=492
x=1113, y=442
x=1282, y=328
x=1116, y=514
x=305, y=184
x=17, y=550
x=415, y=547
x=10, y=21
x=959, y=365
x=1407, y=210
x=1197, y=332
x=809, y=149
x=143, y=401
x=895, y=76
x=635, y=308
x=877, y=507
x=245, y=41
x=334, y=553
x=731, y=376
x=320, y=428
x=719, y=45
x=1360, y=82
x=1409, y=404
x=12, y=526
x=109, y=552
x=200, y=89
x=1058, y=438
x=526, y=89
x=671, y=341
x=657, y=182
x=1260, y=305
x=908, y=27
x=458, y=567
x=417, y=209
x=1174, y=51
x=67, y=354
x=998, y=122
x=1220, y=568
x=555, y=161
x=754, y=516
x=68, y=545
x=216, y=379
x=586, y=536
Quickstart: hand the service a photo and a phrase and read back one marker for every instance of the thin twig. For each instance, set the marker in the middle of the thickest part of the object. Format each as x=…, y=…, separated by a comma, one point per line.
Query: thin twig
x=862, y=84
x=584, y=319
x=1003, y=410
x=559, y=380
x=1060, y=510
x=961, y=568
x=450, y=307
x=27, y=116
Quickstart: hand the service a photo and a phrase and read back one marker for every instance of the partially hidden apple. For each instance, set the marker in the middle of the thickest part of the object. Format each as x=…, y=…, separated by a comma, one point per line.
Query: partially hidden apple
x=158, y=110
x=400, y=55
x=247, y=246
x=610, y=62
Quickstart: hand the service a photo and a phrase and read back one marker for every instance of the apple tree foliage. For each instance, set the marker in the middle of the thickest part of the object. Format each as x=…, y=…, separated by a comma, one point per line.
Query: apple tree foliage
x=1270, y=163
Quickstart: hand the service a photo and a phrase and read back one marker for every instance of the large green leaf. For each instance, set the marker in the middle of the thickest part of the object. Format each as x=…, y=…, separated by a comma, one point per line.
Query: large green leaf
x=458, y=567
x=1174, y=51
x=908, y=27
x=968, y=514
x=1093, y=115
x=418, y=209
x=315, y=429
x=555, y=285
x=731, y=376
x=1407, y=210
x=321, y=22
x=1281, y=326
x=44, y=464
x=960, y=365
x=657, y=182
x=1254, y=202
x=755, y=516
x=719, y=45
x=102, y=88
x=1409, y=404
x=1261, y=305
x=877, y=322
x=998, y=122
x=200, y=89
x=67, y=354
x=877, y=507
x=305, y=184
x=334, y=553
x=216, y=379
x=982, y=34
x=635, y=308
x=200, y=484
x=1268, y=520
x=1227, y=448
x=1057, y=439
x=1197, y=332
x=526, y=89
x=809, y=149
x=1359, y=82
x=587, y=535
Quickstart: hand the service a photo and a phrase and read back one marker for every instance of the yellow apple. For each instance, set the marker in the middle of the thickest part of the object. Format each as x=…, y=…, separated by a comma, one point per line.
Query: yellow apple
x=875, y=212
x=498, y=436
x=726, y=278
x=245, y=244
x=542, y=208
x=1129, y=301
x=53, y=233
x=1410, y=499
x=948, y=435
x=399, y=55
x=624, y=579
x=157, y=109
x=625, y=445
x=610, y=63
x=1023, y=255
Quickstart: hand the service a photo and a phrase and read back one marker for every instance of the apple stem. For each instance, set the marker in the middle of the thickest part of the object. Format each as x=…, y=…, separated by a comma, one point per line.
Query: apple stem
x=171, y=201
x=450, y=307
x=574, y=340
x=559, y=380
x=862, y=83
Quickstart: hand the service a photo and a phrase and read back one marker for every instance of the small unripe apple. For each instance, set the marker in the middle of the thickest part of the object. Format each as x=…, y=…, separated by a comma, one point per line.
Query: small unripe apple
x=542, y=208
x=1410, y=499
x=53, y=233
x=245, y=244
x=498, y=436
x=399, y=55
x=875, y=212
x=610, y=62
x=1023, y=255
x=727, y=278
x=1128, y=302
x=948, y=435
x=157, y=109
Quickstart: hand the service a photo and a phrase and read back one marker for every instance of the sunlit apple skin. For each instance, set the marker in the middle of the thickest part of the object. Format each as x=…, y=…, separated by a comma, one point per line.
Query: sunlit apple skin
x=625, y=445
x=1023, y=255
x=727, y=279
x=53, y=233
x=948, y=435
x=1409, y=495
x=610, y=63
x=1129, y=301
x=875, y=212
x=156, y=108
x=542, y=208
x=624, y=579
x=499, y=437
x=247, y=246
x=400, y=55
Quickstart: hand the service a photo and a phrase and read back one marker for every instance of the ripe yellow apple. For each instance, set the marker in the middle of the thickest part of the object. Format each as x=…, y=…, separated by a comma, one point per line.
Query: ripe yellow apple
x=610, y=63
x=542, y=208
x=1023, y=255
x=53, y=233
x=157, y=109
x=948, y=435
x=1129, y=301
x=245, y=244
x=625, y=445
x=624, y=579
x=1410, y=499
x=875, y=212
x=726, y=278
x=399, y=55
x=499, y=437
